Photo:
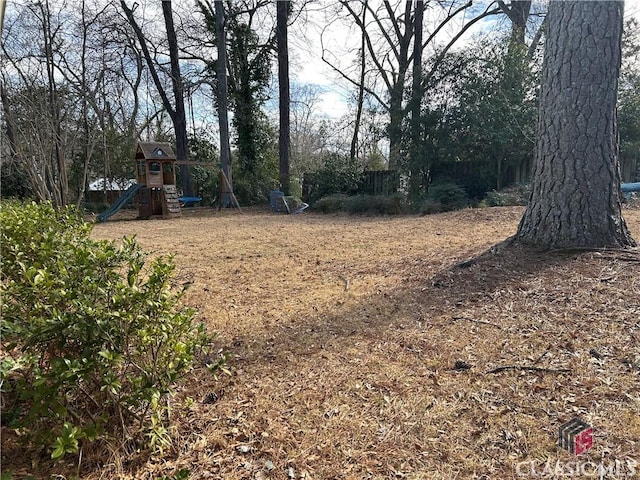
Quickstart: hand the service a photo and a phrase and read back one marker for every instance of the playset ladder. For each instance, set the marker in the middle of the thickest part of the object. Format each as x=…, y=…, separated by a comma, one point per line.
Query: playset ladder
x=172, y=203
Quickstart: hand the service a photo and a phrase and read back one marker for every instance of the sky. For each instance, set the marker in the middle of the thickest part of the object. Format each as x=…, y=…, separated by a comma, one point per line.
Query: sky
x=341, y=40
x=321, y=23
x=307, y=66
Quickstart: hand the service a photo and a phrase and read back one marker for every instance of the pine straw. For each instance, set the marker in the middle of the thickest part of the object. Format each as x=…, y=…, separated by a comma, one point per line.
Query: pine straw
x=345, y=331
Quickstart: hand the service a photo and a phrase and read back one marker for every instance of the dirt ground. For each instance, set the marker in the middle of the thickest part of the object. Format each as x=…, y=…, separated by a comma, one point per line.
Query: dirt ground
x=359, y=351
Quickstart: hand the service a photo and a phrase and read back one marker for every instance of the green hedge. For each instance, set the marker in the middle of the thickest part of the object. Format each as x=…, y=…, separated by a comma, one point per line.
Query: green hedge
x=515, y=195
x=362, y=204
x=93, y=336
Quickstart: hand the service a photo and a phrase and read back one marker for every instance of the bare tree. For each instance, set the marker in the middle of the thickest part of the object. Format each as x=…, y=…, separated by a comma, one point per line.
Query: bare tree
x=306, y=141
x=176, y=110
x=360, y=101
x=388, y=36
x=72, y=100
x=35, y=110
x=518, y=12
x=284, y=141
x=575, y=201
x=226, y=199
x=416, y=90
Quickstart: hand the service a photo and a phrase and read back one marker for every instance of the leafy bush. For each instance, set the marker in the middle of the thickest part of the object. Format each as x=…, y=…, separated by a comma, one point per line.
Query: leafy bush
x=448, y=195
x=254, y=189
x=377, y=204
x=295, y=187
x=92, y=336
x=360, y=204
x=337, y=176
x=331, y=203
x=363, y=204
x=515, y=195
x=428, y=206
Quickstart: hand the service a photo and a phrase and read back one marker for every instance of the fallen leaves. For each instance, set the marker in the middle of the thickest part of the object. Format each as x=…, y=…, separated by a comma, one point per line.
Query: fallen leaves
x=357, y=351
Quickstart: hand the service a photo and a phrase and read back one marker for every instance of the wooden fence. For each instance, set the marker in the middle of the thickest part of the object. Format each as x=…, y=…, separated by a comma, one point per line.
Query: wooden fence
x=379, y=182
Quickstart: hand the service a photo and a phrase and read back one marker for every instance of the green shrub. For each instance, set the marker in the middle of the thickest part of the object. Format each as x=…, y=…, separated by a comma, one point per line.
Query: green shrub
x=363, y=204
x=395, y=204
x=253, y=189
x=428, y=206
x=377, y=204
x=515, y=195
x=449, y=195
x=331, y=203
x=336, y=176
x=93, y=337
x=359, y=204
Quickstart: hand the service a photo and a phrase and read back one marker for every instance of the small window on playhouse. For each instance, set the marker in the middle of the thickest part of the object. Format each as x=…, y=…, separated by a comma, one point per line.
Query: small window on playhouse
x=155, y=167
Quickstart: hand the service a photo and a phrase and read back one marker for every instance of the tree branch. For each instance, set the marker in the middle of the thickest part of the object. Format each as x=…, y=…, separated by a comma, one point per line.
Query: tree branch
x=145, y=50
x=442, y=54
x=350, y=80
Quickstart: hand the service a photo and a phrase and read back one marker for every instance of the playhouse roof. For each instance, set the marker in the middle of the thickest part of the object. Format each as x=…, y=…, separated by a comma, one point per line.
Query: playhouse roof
x=155, y=151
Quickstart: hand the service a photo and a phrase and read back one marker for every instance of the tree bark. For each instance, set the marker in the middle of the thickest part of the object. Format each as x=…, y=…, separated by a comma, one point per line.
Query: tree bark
x=396, y=97
x=179, y=117
x=416, y=100
x=284, y=141
x=518, y=12
x=353, y=151
x=3, y=5
x=177, y=112
x=226, y=184
x=575, y=202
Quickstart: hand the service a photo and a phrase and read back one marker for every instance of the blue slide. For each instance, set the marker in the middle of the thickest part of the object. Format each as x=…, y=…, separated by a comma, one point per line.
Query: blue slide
x=630, y=187
x=627, y=188
x=120, y=202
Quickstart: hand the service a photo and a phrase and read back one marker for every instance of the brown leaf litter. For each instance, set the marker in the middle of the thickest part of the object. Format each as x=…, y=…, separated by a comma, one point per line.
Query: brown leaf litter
x=360, y=351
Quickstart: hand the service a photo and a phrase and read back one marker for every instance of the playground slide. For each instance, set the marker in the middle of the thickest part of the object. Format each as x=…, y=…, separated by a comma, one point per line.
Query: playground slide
x=630, y=187
x=120, y=202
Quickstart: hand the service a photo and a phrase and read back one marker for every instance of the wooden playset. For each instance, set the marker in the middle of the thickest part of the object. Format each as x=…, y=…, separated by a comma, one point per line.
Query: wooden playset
x=156, y=183
x=156, y=172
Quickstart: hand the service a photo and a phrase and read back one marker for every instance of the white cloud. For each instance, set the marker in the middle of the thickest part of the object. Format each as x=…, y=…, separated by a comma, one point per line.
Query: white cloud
x=333, y=104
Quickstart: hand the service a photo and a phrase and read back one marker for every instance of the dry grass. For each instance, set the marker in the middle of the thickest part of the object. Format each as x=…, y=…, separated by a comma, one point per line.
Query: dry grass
x=344, y=334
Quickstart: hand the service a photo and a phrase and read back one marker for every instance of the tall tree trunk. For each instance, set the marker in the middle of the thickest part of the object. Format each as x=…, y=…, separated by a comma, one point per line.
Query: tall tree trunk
x=416, y=163
x=518, y=12
x=363, y=69
x=282, y=9
x=179, y=116
x=576, y=189
x=177, y=113
x=226, y=184
x=57, y=178
x=88, y=147
x=396, y=97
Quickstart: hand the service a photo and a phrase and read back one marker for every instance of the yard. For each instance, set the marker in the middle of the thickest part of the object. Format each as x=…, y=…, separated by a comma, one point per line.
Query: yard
x=359, y=350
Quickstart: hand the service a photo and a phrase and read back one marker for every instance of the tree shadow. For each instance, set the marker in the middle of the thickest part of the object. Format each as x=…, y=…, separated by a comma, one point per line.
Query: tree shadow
x=440, y=294
x=453, y=287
